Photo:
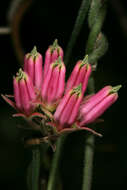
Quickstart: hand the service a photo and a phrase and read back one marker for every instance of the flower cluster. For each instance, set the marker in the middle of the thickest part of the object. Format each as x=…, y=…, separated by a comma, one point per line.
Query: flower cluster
x=62, y=105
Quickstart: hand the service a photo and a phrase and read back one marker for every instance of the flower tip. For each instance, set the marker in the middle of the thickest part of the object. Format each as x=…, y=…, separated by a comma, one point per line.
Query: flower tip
x=21, y=75
x=34, y=51
x=85, y=60
x=115, y=89
x=20, y=70
x=55, y=43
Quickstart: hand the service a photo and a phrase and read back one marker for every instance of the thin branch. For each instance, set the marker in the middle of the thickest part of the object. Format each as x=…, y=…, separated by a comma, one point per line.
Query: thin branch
x=77, y=28
x=55, y=164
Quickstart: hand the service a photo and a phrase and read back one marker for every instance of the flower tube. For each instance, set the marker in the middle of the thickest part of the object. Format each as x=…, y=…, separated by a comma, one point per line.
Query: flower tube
x=97, y=104
x=23, y=93
x=33, y=66
x=68, y=108
x=53, y=84
x=53, y=52
x=80, y=74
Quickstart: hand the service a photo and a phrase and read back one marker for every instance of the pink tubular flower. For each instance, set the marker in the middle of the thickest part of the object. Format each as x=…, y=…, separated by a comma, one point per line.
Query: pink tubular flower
x=80, y=74
x=67, y=109
x=95, y=106
x=33, y=66
x=23, y=93
x=53, y=84
x=52, y=54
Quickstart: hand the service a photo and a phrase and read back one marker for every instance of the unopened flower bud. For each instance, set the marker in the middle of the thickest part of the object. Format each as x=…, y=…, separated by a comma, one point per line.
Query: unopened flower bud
x=68, y=108
x=23, y=92
x=33, y=66
x=97, y=104
x=53, y=52
x=80, y=74
x=53, y=84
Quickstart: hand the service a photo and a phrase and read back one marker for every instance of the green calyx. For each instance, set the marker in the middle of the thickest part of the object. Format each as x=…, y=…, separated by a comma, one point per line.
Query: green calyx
x=58, y=62
x=33, y=53
x=21, y=75
x=77, y=90
x=55, y=43
x=84, y=61
x=55, y=46
x=115, y=89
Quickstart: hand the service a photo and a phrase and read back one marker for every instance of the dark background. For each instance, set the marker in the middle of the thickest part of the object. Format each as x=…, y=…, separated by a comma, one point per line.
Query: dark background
x=43, y=22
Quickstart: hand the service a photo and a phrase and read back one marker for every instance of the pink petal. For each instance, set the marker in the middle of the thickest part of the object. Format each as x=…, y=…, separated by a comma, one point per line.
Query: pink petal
x=55, y=55
x=17, y=95
x=72, y=79
x=45, y=85
x=85, y=82
x=47, y=61
x=53, y=85
x=24, y=97
x=30, y=88
x=66, y=114
x=81, y=75
x=99, y=109
x=75, y=111
x=95, y=99
x=61, y=106
x=38, y=71
x=31, y=68
x=61, y=82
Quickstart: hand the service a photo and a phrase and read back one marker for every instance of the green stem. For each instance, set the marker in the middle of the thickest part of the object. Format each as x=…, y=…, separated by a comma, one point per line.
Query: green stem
x=95, y=29
x=33, y=170
x=96, y=47
x=53, y=176
x=89, y=151
x=77, y=28
x=88, y=162
x=99, y=51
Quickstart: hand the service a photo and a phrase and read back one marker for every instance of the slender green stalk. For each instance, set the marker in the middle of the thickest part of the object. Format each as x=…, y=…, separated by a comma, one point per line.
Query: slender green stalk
x=99, y=50
x=88, y=162
x=77, y=28
x=33, y=170
x=55, y=164
x=96, y=47
x=96, y=26
x=89, y=151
